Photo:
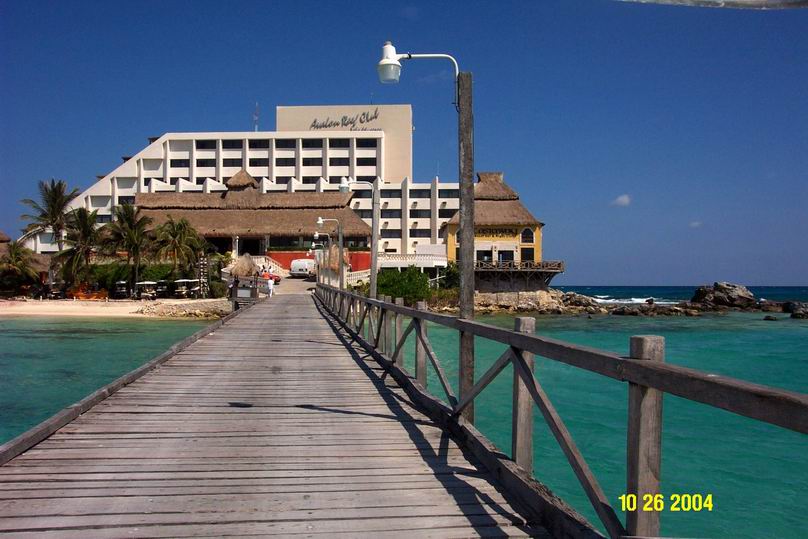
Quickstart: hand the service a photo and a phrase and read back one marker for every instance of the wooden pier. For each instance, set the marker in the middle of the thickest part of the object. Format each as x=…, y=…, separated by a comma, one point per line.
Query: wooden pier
x=296, y=417
x=271, y=425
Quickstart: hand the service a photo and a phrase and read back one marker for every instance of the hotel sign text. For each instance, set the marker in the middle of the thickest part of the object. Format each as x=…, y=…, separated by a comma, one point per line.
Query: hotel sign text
x=356, y=122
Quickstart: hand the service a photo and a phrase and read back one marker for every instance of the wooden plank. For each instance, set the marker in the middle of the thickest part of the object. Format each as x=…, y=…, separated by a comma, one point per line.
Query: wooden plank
x=420, y=350
x=522, y=411
x=430, y=353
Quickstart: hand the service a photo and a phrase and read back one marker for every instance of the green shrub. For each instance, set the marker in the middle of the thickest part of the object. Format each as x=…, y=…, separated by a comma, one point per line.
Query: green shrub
x=160, y=272
x=451, y=276
x=218, y=289
x=410, y=284
x=107, y=274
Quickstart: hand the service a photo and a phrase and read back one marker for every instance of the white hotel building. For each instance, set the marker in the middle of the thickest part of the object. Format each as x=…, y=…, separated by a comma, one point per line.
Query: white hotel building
x=311, y=150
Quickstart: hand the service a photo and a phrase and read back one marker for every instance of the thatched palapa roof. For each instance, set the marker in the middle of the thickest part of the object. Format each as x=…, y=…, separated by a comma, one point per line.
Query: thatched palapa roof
x=496, y=204
x=39, y=262
x=243, y=210
x=4, y=238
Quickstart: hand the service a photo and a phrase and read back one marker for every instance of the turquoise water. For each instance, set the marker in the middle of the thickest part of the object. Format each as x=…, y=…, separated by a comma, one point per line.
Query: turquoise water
x=50, y=363
x=675, y=294
x=757, y=473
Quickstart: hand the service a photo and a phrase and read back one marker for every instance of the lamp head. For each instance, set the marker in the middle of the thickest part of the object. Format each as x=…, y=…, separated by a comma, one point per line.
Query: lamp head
x=389, y=67
x=344, y=185
x=316, y=235
x=320, y=222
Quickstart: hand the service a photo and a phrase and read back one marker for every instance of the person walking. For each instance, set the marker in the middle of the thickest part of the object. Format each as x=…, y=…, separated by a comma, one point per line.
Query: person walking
x=270, y=285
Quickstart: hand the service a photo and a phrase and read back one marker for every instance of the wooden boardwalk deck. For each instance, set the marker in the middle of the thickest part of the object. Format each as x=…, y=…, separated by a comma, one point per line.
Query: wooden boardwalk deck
x=271, y=425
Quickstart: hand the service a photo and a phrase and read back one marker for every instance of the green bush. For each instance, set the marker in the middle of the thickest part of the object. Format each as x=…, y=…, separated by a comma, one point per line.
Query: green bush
x=160, y=272
x=218, y=289
x=410, y=284
x=451, y=276
x=107, y=274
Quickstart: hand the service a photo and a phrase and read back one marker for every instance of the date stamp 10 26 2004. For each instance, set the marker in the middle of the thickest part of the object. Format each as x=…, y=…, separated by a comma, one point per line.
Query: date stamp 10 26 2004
x=661, y=502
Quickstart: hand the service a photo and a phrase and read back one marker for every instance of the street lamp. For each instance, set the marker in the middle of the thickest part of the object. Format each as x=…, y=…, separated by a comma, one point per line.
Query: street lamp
x=389, y=69
x=327, y=256
x=344, y=187
x=320, y=223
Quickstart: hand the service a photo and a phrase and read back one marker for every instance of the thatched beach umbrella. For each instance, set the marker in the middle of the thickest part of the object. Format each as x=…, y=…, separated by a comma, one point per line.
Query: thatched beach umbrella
x=245, y=266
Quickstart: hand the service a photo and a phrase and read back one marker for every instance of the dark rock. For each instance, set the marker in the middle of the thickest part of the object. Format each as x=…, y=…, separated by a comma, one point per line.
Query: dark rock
x=771, y=307
x=625, y=310
x=723, y=294
x=794, y=307
x=800, y=315
x=770, y=318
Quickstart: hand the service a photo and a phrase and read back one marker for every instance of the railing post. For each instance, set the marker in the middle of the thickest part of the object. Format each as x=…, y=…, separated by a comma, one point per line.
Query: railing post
x=420, y=351
x=644, y=444
x=385, y=348
x=399, y=329
x=522, y=415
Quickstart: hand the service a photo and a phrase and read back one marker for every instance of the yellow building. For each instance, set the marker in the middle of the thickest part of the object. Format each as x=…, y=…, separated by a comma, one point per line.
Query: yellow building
x=507, y=239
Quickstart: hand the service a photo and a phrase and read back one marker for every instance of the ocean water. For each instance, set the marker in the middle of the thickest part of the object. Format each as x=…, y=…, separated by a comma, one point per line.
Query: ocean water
x=756, y=473
x=50, y=363
x=674, y=294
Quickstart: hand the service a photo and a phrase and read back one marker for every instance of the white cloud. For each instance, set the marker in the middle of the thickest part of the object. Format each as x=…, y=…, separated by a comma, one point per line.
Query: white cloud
x=622, y=200
x=695, y=224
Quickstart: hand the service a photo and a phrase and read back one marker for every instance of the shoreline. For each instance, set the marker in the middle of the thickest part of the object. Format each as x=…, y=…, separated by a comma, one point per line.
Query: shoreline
x=175, y=309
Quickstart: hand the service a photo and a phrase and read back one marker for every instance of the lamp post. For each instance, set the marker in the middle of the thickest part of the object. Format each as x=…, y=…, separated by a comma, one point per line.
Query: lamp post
x=320, y=223
x=327, y=254
x=389, y=69
x=344, y=187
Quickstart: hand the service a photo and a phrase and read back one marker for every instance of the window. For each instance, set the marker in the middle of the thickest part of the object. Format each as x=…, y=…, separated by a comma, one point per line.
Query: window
x=310, y=180
x=147, y=181
x=257, y=144
x=449, y=193
x=284, y=161
x=369, y=179
x=126, y=200
x=527, y=235
x=418, y=214
x=232, y=144
x=334, y=179
x=232, y=162
x=364, y=214
x=446, y=213
x=103, y=218
x=420, y=193
x=312, y=143
x=339, y=143
x=420, y=233
x=366, y=161
x=339, y=161
x=259, y=162
x=366, y=143
x=391, y=214
x=312, y=161
x=283, y=180
x=285, y=143
x=391, y=233
x=205, y=144
x=206, y=162
x=180, y=163
x=362, y=193
x=200, y=180
x=528, y=254
x=484, y=256
x=391, y=193
x=173, y=181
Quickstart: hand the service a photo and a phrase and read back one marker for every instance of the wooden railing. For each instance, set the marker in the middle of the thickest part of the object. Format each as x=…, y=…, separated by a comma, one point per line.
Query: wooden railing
x=379, y=327
x=545, y=265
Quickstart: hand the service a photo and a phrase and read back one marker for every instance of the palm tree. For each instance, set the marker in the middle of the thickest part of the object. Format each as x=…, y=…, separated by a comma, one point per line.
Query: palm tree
x=179, y=241
x=82, y=238
x=129, y=231
x=50, y=211
x=16, y=266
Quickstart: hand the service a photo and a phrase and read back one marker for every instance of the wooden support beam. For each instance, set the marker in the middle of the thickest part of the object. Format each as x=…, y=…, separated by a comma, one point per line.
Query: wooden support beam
x=420, y=351
x=399, y=326
x=433, y=358
x=484, y=380
x=576, y=460
x=522, y=412
x=644, y=444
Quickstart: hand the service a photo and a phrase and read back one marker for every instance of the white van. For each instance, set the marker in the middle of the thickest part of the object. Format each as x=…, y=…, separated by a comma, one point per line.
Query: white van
x=303, y=267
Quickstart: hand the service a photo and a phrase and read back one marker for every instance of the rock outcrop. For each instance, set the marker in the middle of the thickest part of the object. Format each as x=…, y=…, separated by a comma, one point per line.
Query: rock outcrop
x=211, y=309
x=724, y=295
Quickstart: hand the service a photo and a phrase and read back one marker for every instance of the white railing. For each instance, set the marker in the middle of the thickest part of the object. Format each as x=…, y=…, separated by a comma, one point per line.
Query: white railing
x=419, y=260
x=353, y=278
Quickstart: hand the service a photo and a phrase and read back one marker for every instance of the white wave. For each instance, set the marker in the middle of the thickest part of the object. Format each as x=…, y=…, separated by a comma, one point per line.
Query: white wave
x=634, y=301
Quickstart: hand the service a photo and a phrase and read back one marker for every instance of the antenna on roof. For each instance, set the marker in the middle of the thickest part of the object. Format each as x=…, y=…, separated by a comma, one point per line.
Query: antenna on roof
x=255, y=117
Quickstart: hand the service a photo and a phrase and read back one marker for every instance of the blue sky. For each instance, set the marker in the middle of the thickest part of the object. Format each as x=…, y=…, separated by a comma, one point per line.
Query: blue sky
x=698, y=116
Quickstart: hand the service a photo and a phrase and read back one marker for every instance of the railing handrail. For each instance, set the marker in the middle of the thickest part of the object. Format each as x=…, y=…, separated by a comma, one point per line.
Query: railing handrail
x=787, y=409
x=546, y=265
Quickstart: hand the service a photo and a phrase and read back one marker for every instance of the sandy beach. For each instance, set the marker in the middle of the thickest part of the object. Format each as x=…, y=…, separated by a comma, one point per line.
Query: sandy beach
x=103, y=309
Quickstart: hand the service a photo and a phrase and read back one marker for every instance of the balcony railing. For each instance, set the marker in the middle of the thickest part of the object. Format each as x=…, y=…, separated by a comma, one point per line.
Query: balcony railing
x=511, y=265
x=420, y=260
